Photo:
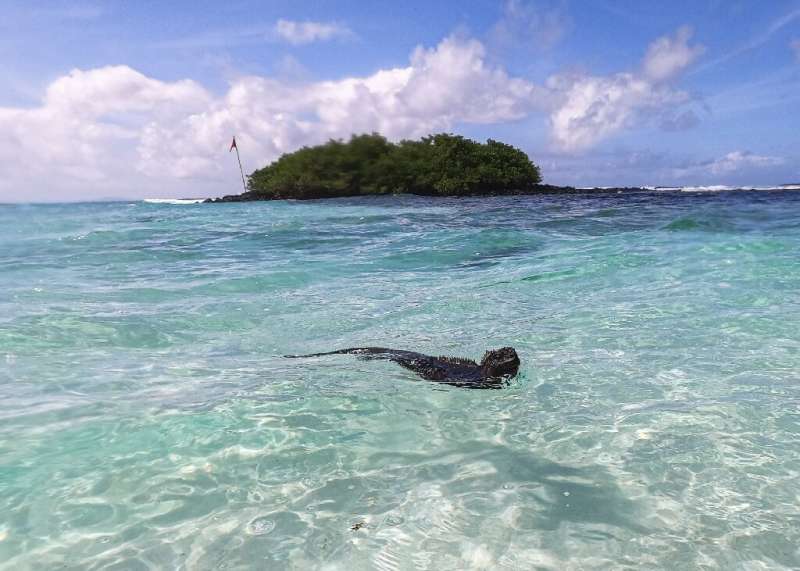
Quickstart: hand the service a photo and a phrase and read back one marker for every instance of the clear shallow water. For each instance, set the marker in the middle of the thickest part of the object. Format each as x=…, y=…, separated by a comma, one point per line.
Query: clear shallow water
x=147, y=419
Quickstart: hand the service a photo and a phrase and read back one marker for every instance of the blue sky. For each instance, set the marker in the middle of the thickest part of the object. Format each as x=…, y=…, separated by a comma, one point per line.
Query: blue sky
x=124, y=99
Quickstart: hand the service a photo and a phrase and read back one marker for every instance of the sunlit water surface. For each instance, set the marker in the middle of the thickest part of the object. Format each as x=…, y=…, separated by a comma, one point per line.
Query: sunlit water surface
x=148, y=420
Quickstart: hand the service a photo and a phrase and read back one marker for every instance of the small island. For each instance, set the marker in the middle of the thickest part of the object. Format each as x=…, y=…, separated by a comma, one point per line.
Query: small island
x=370, y=165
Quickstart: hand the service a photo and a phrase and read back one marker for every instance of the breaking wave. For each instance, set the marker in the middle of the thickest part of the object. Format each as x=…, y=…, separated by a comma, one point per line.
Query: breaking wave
x=174, y=200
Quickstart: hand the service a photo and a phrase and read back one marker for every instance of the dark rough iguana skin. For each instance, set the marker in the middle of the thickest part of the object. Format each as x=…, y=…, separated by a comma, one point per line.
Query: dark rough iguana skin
x=495, y=367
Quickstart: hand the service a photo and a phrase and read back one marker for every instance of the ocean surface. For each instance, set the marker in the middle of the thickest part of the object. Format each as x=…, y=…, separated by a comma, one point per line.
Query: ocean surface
x=149, y=421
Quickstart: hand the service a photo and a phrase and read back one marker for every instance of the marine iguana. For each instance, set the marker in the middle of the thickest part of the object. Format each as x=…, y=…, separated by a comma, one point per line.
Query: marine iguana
x=496, y=366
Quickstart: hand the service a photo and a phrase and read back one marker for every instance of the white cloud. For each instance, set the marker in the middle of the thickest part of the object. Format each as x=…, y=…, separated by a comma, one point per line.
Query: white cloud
x=442, y=86
x=738, y=160
x=795, y=45
x=666, y=57
x=733, y=163
x=113, y=130
x=595, y=107
x=84, y=133
x=120, y=89
x=619, y=166
x=298, y=33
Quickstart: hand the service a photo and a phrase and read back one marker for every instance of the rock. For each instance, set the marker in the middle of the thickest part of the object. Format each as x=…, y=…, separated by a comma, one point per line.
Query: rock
x=535, y=189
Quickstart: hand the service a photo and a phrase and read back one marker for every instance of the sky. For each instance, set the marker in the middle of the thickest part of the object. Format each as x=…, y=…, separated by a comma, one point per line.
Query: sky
x=118, y=99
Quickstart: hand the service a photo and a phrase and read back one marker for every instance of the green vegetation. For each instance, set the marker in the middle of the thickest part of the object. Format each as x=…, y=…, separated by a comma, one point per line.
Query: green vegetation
x=440, y=165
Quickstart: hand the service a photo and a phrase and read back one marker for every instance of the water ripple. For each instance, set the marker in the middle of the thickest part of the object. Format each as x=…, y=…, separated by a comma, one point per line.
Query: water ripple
x=148, y=420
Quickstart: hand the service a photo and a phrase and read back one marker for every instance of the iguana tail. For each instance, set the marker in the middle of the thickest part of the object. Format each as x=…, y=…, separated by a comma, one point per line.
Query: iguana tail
x=351, y=350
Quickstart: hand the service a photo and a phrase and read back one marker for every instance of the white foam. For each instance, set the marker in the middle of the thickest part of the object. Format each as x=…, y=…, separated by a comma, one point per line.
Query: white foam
x=720, y=188
x=711, y=188
x=174, y=200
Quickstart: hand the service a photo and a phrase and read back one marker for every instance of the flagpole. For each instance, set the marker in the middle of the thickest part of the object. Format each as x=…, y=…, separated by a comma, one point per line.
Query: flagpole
x=241, y=171
x=239, y=159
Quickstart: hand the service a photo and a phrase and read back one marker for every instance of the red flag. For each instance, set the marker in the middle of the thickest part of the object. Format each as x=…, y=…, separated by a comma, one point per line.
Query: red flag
x=233, y=145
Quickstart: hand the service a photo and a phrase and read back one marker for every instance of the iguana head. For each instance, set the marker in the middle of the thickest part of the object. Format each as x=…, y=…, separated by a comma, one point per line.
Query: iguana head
x=499, y=363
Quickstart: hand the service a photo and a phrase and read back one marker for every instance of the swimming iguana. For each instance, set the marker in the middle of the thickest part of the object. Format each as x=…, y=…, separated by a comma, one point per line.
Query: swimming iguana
x=495, y=367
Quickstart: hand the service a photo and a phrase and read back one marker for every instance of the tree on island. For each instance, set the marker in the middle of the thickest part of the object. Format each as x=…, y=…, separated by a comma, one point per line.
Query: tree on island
x=437, y=165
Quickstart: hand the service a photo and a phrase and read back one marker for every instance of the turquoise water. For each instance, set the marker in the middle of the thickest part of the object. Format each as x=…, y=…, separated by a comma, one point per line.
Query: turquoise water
x=148, y=420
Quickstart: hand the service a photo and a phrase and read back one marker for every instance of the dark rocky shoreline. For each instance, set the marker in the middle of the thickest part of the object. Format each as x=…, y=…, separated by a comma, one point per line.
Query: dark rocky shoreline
x=537, y=189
